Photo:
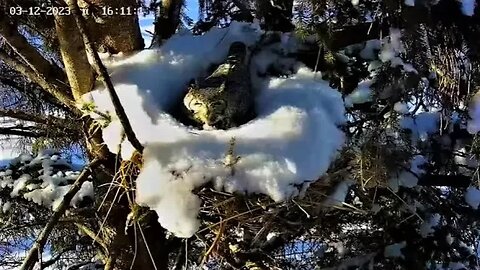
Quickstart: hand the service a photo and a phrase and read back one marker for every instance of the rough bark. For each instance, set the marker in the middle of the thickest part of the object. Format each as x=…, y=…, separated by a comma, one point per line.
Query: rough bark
x=115, y=33
x=77, y=67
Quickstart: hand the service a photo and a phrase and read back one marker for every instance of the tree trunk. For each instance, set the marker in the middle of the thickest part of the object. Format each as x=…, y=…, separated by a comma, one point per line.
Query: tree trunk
x=114, y=33
x=276, y=15
x=78, y=69
x=167, y=20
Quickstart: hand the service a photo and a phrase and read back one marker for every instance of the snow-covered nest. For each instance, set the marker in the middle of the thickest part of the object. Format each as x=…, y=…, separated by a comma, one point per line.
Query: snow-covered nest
x=294, y=138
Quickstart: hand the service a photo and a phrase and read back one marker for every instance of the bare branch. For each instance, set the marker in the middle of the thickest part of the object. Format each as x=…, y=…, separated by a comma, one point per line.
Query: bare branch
x=31, y=257
x=21, y=132
x=46, y=120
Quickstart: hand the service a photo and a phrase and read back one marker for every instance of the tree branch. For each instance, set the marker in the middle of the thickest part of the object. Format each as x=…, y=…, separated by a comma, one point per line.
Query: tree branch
x=23, y=133
x=79, y=71
x=103, y=76
x=46, y=120
x=31, y=257
x=55, y=258
x=57, y=88
x=27, y=52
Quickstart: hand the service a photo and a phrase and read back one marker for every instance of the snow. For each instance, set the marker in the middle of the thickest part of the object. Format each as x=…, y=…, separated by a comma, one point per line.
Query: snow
x=362, y=94
x=449, y=238
x=48, y=188
x=410, y=3
x=6, y=207
x=338, y=196
x=427, y=227
x=408, y=179
x=369, y=52
x=473, y=125
x=401, y=107
x=281, y=148
x=468, y=7
x=421, y=124
x=392, y=46
x=19, y=184
x=394, y=250
x=472, y=197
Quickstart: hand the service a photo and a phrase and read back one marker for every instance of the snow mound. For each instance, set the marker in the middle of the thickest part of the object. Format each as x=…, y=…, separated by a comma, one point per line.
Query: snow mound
x=293, y=139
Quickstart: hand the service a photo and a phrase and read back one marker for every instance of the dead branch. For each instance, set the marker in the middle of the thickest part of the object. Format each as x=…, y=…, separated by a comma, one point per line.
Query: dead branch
x=31, y=257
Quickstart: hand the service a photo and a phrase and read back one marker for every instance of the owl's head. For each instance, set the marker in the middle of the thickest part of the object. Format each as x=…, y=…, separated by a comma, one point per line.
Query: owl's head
x=206, y=105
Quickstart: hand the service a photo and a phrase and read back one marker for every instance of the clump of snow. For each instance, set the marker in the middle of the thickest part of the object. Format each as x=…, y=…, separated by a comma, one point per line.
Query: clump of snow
x=449, y=239
x=401, y=107
x=293, y=139
x=370, y=51
x=6, y=207
x=86, y=191
x=338, y=196
x=362, y=94
x=20, y=184
x=22, y=158
x=392, y=46
x=468, y=7
x=408, y=178
x=473, y=125
x=472, y=197
x=394, y=250
x=427, y=227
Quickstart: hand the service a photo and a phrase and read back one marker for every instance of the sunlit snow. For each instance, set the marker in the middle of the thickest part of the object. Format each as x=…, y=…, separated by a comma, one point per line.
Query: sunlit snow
x=293, y=139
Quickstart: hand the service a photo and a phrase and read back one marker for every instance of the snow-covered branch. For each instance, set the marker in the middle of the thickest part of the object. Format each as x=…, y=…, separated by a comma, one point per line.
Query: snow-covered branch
x=31, y=257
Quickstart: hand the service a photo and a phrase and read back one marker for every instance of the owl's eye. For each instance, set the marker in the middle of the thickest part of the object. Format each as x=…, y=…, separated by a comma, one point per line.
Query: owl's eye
x=195, y=105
